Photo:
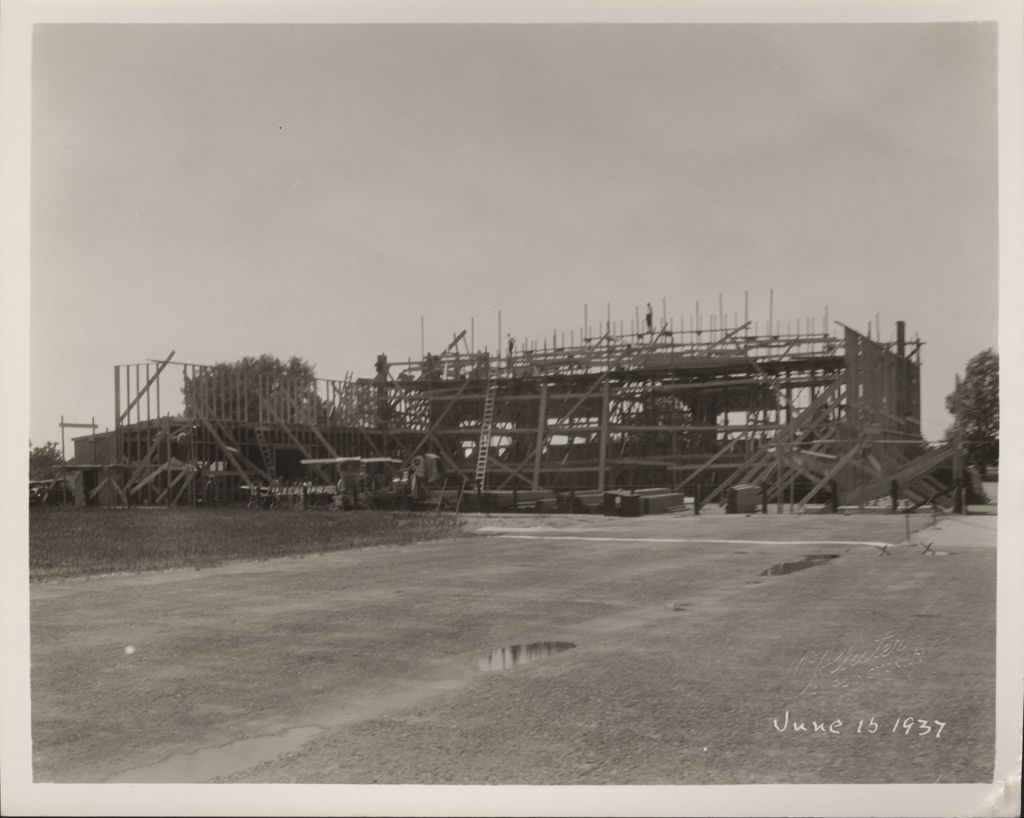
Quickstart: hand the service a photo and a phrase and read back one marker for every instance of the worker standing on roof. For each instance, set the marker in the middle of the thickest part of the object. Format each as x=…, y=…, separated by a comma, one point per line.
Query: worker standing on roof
x=511, y=349
x=650, y=318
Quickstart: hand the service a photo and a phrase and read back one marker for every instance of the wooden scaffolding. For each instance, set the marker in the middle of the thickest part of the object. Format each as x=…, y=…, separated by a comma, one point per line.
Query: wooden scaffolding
x=805, y=415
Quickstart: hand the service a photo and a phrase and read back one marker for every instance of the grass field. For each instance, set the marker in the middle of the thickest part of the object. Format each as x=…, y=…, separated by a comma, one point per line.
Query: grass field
x=70, y=542
x=362, y=665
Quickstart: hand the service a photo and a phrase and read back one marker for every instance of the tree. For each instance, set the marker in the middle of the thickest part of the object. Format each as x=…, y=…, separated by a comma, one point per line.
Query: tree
x=979, y=408
x=237, y=387
x=43, y=462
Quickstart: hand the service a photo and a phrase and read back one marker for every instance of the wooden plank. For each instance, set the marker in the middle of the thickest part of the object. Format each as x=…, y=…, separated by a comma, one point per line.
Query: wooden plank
x=831, y=473
x=760, y=468
x=182, y=474
x=117, y=488
x=451, y=463
x=188, y=482
x=226, y=439
x=149, y=478
x=906, y=475
x=603, y=440
x=298, y=443
x=144, y=461
x=440, y=419
x=96, y=491
x=316, y=432
x=145, y=389
x=541, y=428
x=117, y=414
x=224, y=448
x=579, y=402
x=708, y=463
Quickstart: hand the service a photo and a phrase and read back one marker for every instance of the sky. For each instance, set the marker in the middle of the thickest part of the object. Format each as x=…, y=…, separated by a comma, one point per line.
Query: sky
x=314, y=190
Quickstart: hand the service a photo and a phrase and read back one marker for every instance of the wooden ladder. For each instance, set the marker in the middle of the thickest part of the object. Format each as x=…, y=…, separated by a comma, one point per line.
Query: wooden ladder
x=483, y=447
x=265, y=451
x=347, y=400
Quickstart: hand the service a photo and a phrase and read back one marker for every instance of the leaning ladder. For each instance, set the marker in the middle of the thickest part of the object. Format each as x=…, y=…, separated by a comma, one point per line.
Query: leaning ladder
x=265, y=451
x=484, y=445
x=346, y=400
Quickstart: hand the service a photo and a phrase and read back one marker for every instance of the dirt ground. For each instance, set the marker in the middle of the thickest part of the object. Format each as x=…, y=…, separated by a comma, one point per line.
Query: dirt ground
x=690, y=664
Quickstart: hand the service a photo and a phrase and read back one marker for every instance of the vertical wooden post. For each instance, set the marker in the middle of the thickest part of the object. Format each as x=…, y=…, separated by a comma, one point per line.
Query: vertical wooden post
x=195, y=465
x=780, y=498
x=863, y=479
x=167, y=431
x=117, y=416
x=541, y=428
x=958, y=442
x=603, y=443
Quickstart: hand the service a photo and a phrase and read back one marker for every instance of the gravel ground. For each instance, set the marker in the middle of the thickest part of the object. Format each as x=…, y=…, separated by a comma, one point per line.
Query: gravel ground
x=362, y=666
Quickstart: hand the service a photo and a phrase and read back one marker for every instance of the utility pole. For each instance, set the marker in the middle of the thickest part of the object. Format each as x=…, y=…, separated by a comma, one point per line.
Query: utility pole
x=958, y=442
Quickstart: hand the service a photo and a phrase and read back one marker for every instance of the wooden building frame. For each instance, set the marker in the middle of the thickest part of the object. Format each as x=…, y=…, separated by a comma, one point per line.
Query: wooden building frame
x=807, y=415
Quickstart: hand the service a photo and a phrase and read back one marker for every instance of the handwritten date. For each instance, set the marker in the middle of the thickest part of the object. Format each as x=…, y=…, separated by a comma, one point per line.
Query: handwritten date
x=902, y=725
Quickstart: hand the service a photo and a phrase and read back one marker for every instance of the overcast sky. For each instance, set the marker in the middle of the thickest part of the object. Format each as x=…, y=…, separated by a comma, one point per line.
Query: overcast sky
x=313, y=190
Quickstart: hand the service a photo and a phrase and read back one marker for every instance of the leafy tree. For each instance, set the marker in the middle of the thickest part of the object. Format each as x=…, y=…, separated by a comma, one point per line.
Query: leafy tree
x=979, y=402
x=234, y=389
x=43, y=461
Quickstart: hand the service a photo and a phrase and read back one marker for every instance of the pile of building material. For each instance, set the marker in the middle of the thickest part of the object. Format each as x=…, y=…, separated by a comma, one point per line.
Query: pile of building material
x=743, y=499
x=638, y=502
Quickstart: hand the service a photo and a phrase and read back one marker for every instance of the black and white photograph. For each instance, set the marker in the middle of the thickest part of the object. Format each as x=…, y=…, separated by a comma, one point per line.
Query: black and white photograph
x=509, y=410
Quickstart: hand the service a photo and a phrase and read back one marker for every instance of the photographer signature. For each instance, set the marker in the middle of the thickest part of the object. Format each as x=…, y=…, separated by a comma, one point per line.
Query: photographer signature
x=839, y=668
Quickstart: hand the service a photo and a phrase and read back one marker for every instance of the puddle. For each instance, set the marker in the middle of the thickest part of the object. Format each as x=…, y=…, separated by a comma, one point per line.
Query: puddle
x=215, y=762
x=798, y=565
x=506, y=658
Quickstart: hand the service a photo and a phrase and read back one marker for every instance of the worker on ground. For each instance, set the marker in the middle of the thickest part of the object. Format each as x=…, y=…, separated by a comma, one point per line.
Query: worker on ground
x=650, y=318
x=339, y=492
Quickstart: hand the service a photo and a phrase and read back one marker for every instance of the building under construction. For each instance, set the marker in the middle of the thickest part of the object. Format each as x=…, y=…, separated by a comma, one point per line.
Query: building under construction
x=809, y=418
